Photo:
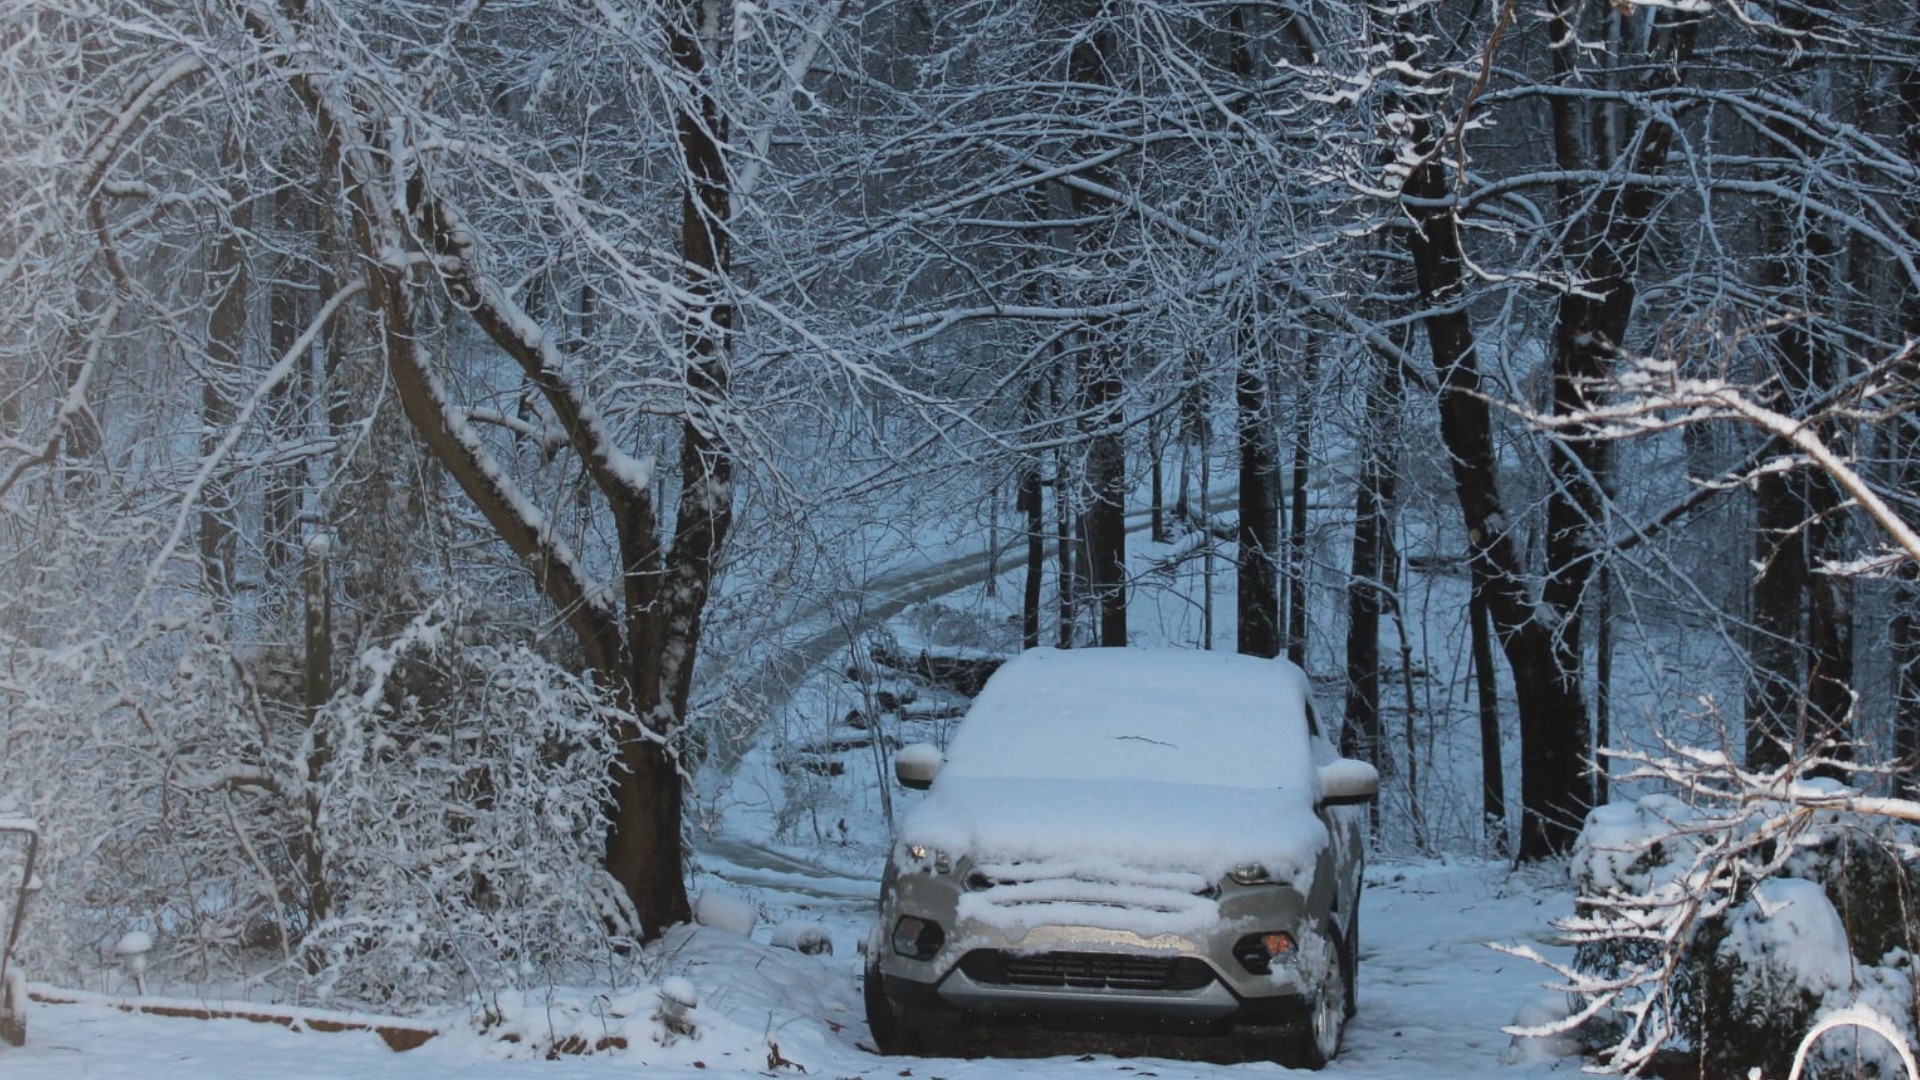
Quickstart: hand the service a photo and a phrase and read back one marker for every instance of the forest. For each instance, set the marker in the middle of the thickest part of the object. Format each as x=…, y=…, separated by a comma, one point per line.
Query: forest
x=440, y=439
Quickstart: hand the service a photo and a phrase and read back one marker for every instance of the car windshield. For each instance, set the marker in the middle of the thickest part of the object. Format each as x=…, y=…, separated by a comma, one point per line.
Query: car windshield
x=1138, y=716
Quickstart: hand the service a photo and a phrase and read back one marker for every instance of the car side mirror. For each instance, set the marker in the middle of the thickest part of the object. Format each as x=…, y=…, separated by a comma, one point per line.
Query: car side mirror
x=1347, y=782
x=916, y=764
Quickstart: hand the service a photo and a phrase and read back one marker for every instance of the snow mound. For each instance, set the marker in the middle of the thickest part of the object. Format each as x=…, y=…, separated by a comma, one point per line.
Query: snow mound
x=724, y=911
x=1633, y=847
x=679, y=993
x=1787, y=935
x=811, y=938
x=760, y=1002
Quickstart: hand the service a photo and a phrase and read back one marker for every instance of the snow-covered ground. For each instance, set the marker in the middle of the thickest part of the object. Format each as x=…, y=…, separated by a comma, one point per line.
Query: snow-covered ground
x=804, y=849
x=1433, y=998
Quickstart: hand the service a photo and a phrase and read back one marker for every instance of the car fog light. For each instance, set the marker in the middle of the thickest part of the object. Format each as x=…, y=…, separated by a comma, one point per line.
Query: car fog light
x=1257, y=952
x=918, y=939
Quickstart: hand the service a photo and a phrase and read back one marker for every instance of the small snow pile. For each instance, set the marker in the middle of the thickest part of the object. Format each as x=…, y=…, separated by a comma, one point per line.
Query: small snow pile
x=132, y=949
x=549, y=1024
x=1639, y=847
x=1540, y=1033
x=679, y=993
x=678, y=999
x=811, y=938
x=922, y=758
x=1787, y=936
x=725, y=911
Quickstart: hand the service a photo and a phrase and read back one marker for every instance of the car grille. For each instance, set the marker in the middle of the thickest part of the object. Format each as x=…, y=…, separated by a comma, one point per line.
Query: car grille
x=1086, y=971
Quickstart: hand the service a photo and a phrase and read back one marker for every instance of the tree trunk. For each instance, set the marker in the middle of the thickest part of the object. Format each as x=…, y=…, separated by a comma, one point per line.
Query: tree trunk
x=1605, y=234
x=1063, y=503
x=316, y=588
x=1103, y=516
x=1297, y=533
x=1206, y=529
x=287, y=410
x=1366, y=584
x=1603, y=681
x=1803, y=645
x=1772, y=644
x=1156, y=453
x=643, y=843
x=1033, y=516
x=1905, y=631
x=80, y=441
x=1493, y=777
x=1555, y=789
x=1257, y=592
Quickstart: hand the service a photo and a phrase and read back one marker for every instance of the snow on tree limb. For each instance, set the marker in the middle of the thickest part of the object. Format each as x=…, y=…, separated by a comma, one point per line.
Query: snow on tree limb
x=72, y=406
x=622, y=477
x=1651, y=395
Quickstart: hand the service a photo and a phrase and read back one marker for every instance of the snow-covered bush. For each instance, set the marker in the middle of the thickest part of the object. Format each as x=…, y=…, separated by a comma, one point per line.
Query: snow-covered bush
x=458, y=822
x=434, y=829
x=1731, y=924
x=1764, y=968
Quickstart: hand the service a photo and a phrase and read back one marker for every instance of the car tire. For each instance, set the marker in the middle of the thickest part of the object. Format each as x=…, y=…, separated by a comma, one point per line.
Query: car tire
x=1319, y=1038
x=883, y=1020
x=1350, y=964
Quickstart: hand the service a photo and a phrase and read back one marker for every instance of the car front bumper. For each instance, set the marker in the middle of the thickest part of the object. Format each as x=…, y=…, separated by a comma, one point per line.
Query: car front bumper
x=1210, y=1009
x=1058, y=971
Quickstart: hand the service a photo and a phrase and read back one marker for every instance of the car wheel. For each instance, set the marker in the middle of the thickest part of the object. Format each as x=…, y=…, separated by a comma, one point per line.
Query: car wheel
x=1350, y=964
x=1327, y=1021
x=883, y=1020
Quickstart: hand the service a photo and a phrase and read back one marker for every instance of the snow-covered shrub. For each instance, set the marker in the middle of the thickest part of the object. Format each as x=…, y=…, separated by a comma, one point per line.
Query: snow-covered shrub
x=1732, y=929
x=434, y=829
x=1764, y=968
x=459, y=788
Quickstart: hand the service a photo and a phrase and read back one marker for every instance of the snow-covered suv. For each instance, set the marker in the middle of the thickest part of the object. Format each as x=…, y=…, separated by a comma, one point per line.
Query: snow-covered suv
x=1127, y=838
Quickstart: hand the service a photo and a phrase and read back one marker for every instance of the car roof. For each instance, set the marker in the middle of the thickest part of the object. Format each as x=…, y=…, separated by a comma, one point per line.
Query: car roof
x=1161, y=715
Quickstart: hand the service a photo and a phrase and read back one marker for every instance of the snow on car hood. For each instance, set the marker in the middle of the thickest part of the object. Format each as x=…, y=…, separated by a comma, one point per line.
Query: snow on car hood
x=1107, y=830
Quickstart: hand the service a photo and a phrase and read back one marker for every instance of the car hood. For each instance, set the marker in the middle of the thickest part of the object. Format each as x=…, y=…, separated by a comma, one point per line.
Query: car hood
x=1119, y=829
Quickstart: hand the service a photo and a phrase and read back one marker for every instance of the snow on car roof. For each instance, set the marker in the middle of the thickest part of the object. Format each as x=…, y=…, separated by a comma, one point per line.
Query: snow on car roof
x=1168, y=715
x=1129, y=759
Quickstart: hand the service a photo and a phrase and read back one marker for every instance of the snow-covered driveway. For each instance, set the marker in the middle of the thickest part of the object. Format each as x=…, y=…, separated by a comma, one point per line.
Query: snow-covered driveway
x=1433, y=998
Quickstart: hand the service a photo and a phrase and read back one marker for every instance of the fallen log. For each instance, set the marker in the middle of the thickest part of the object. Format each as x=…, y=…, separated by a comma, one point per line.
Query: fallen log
x=962, y=674
x=399, y=1034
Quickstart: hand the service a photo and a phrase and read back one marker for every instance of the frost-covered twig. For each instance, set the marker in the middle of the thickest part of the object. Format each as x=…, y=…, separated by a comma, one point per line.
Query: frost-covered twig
x=1650, y=395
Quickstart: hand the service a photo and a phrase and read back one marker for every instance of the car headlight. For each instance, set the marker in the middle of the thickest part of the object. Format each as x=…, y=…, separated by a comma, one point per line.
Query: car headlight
x=928, y=858
x=1250, y=874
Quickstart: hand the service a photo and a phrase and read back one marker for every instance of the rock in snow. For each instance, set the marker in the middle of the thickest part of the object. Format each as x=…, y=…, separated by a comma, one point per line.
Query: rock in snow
x=724, y=911
x=811, y=938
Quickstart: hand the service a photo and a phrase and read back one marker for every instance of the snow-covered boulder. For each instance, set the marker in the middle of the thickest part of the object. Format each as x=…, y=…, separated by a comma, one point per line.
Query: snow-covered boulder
x=725, y=911
x=810, y=938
